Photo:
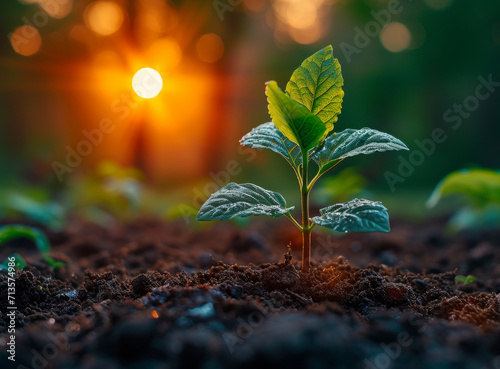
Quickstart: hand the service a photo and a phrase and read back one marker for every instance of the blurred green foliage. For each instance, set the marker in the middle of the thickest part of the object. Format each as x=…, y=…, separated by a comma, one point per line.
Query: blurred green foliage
x=53, y=263
x=342, y=187
x=31, y=203
x=110, y=193
x=480, y=188
x=13, y=231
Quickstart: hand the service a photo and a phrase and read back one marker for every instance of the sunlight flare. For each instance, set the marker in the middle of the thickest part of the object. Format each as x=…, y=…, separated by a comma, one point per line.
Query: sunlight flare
x=147, y=83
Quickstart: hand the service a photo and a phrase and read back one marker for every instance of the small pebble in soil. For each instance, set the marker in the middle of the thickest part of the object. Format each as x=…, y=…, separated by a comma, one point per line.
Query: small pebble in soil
x=205, y=311
x=71, y=294
x=421, y=284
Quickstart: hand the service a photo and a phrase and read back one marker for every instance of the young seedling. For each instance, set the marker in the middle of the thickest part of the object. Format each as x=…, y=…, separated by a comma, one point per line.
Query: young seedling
x=53, y=264
x=481, y=190
x=301, y=131
x=10, y=232
x=465, y=280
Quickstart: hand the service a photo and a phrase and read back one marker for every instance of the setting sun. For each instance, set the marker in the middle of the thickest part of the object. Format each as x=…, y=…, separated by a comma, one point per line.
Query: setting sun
x=147, y=83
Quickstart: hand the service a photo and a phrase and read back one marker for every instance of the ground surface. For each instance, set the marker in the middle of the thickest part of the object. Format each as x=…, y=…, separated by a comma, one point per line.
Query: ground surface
x=156, y=295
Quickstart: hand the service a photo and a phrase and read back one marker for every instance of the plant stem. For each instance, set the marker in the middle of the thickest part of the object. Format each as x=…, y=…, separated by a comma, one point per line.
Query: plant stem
x=306, y=230
x=292, y=219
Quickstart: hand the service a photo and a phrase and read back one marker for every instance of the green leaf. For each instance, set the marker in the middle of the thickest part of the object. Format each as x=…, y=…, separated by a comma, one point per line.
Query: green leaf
x=357, y=215
x=351, y=142
x=344, y=186
x=54, y=264
x=317, y=84
x=465, y=280
x=267, y=136
x=461, y=278
x=10, y=232
x=294, y=120
x=471, y=279
x=33, y=207
x=480, y=186
x=242, y=200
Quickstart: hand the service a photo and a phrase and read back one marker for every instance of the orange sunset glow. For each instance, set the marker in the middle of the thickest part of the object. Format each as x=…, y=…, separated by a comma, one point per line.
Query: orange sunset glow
x=113, y=44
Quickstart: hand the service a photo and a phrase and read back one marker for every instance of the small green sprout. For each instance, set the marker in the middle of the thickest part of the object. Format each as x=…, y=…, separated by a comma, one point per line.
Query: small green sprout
x=53, y=263
x=301, y=131
x=481, y=190
x=33, y=204
x=10, y=232
x=465, y=280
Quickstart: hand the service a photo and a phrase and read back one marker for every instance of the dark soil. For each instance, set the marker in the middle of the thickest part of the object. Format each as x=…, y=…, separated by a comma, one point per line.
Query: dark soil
x=159, y=295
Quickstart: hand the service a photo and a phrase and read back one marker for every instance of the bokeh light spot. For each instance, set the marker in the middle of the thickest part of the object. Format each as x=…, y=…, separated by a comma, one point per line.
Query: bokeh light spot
x=26, y=40
x=308, y=35
x=395, y=37
x=56, y=8
x=302, y=21
x=104, y=17
x=210, y=48
x=147, y=83
x=300, y=15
